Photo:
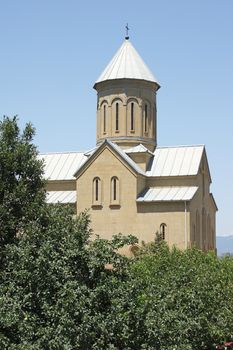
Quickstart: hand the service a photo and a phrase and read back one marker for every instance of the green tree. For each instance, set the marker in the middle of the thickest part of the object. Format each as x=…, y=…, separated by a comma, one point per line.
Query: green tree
x=178, y=300
x=56, y=292
x=22, y=191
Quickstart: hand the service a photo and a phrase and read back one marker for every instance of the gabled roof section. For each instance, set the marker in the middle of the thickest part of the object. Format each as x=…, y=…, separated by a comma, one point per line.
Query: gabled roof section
x=61, y=166
x=127, y=64
x=165, y=161
x=119, y=151
x=167, y=194
x=176, y=161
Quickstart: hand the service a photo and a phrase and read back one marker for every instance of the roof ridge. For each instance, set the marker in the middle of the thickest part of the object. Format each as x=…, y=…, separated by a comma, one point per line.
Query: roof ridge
x=180, y=146
x=64, y=152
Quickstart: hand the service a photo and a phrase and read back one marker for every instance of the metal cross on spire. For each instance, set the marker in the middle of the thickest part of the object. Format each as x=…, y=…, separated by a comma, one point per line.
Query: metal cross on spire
x=127, y=32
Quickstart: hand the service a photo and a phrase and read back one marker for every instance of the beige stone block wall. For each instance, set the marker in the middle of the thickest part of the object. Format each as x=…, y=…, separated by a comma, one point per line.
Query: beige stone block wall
x=144, y=219
x=202, y=213
x=108, y=219
x=152, y=215
x=59, y=185
x=125, y=93
x=130, y=217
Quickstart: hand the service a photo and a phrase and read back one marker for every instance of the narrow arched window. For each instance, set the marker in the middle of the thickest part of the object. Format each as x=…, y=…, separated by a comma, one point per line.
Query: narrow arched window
x=115, y=190
x=163, y=229
x=117, y=116
x=146, y=119
x=104, y=126
x=96, y=191
x=132, y=117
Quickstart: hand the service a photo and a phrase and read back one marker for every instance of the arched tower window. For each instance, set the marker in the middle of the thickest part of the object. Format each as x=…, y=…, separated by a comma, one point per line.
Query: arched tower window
x=115, y=191
x=146, y=119
x=96, y=191
x=132, y=117
x=163, y=230
x=104, y=121
x=117, y=116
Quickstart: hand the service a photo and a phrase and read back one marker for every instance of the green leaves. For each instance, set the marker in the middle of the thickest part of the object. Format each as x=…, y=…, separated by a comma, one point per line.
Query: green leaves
x=22, y=192
x=56, y=292
x=186, y=297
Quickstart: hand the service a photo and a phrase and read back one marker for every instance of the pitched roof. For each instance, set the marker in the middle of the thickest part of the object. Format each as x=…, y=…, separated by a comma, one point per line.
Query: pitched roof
x=61, y=166
x=120, y=152
x=171, y=193
x=127, y=64
x=63, y=197
x=176, y=161
x=167, y=161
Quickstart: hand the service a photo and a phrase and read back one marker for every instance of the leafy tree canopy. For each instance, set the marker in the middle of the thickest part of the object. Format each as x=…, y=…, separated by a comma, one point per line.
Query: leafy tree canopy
x=21, y=179
x=57, y=293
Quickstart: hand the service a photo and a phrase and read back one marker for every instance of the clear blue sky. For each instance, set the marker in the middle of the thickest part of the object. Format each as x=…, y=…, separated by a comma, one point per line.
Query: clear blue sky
x=52, y=51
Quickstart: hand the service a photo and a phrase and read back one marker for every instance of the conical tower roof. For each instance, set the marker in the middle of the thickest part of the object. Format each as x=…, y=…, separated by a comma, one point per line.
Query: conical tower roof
x=127, y=64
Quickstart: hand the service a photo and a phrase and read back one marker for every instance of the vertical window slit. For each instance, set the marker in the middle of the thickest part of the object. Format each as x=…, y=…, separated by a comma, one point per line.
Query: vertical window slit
x=96, y=189
x=114, y=189
x=163, y=231
x=132, y=116
x=146, y=118
x=104, y=118
x=117, y=116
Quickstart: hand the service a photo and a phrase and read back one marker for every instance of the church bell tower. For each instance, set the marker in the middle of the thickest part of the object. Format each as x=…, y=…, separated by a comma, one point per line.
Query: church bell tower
x=126, y=101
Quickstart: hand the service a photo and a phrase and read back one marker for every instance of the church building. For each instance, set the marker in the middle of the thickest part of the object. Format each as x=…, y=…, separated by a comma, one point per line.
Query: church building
x=129, y=183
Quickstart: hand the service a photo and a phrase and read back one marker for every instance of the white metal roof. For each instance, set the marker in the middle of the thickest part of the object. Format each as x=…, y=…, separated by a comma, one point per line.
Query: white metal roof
x=159, y=194
x=63, y=197
x=127, y=64
x=176, y=161
x=62, y=166
x=167, y=161
x=138, y=149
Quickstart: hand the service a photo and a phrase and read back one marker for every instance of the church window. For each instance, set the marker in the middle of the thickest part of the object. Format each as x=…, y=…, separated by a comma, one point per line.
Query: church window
x=117, y=116
x=96, y=191
x=146, y=119
x=163, y=229
x=115, y=190
x=132, y=116
x=104, y=118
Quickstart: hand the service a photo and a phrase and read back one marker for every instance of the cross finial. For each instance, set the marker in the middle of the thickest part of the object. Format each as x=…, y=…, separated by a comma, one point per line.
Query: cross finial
x=127, y=32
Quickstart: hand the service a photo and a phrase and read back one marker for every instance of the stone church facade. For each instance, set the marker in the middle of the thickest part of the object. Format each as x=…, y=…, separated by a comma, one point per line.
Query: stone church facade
x=129, y=184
